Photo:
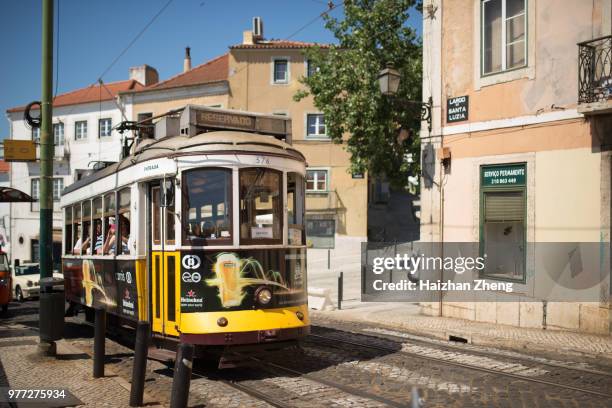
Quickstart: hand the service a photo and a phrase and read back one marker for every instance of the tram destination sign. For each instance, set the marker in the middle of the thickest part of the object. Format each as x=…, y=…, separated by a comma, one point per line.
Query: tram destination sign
x=212, y=118
x=457, y=109
x=503, y=175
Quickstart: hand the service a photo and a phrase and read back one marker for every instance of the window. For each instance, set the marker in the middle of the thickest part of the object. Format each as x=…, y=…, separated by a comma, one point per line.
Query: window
x=146, y=127
x=156, y=210
x=126, y=245
x=281, y=71
x=35, y=189
x=58, y=133
x=320, y=233
x=105, y=127
x=36, y=134
x=504, y=29
x=315, y=125
x=58, y=186
x=80, y=130
x=261, y=206
x=98, y=238
x=311, y=68
x=76, y=228
x=109, y=226
x=316, y=181
x=502, y=232
x=85, y=246
x=207, y=199
x=295, y=208
x=68, y=230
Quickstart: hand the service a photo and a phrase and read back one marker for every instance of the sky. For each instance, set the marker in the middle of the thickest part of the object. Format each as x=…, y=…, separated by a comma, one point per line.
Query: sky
x=93, y=33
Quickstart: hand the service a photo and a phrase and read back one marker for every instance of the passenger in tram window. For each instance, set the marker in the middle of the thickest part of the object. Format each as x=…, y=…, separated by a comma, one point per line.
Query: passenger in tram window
x=109, y=245
x=99, y=241
x=124, y=224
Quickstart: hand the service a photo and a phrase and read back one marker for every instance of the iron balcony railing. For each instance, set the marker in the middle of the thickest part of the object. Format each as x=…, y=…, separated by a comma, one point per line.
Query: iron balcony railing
x=595, y=70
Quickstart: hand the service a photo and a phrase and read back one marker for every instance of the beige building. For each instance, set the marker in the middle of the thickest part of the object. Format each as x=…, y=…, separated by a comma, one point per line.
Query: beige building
x=262, y=76
x=519, y=152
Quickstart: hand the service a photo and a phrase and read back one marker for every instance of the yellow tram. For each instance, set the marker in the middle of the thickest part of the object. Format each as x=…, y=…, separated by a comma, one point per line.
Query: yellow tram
x=199, y=230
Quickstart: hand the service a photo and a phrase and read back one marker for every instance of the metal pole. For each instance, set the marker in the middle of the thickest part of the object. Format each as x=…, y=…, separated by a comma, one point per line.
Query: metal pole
x=45, y=257
x=139, y=370
x=328, y=259
x=182, y=376
x=340, y=294
x=99, y=343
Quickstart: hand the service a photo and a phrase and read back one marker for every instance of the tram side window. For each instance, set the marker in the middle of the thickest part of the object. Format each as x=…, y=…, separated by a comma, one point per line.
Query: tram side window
x=109, y=224
x=76, y=227
x=68, y=230
x=86, y=239
x=260, y=205
x=126, y=244
x=97, y=237
x=155, y=207
x=207, y=195
x=295, y=208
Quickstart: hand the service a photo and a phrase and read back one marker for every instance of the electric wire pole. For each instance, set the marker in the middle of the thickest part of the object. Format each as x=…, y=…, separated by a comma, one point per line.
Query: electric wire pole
x=51, y=309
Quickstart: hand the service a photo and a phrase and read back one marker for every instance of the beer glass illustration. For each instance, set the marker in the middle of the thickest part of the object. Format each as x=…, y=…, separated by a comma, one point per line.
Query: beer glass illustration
x=228, y=268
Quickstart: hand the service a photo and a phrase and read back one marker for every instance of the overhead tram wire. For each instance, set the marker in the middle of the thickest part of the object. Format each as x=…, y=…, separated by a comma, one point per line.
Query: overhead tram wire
x=131, y=43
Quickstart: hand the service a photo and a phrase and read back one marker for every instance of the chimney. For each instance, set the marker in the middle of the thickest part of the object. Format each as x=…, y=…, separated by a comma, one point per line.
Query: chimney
x=247, y=37
x=187, y=60
x=144, y=74
x=256, y=33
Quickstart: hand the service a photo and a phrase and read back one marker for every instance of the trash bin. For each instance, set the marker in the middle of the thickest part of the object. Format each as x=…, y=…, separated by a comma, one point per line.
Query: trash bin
x=51, y=310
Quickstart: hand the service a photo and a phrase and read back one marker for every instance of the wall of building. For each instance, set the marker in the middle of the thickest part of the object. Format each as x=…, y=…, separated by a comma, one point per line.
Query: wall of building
x=70, y=157
x=526, y=115
x=252, y=89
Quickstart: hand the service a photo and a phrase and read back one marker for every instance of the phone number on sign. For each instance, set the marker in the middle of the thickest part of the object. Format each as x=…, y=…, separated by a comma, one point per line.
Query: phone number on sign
x=14, y=395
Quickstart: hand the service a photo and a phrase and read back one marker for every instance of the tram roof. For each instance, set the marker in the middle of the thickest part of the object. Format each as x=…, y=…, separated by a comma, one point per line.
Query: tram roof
x=214, y=142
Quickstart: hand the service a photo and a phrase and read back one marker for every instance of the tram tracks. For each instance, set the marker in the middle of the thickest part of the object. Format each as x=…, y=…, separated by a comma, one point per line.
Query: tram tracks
x=344, y=392
x=333, y=341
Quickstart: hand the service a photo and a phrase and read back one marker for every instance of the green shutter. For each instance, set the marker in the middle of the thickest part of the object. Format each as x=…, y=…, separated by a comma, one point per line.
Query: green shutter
x=504, y=206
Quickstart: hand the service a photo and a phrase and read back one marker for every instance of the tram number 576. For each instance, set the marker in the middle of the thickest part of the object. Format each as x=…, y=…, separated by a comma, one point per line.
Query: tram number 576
x=262, y=160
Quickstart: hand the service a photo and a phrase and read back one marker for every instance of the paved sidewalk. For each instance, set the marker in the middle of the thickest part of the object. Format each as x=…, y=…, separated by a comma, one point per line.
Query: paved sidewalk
x=22, y=368
x=406, y=317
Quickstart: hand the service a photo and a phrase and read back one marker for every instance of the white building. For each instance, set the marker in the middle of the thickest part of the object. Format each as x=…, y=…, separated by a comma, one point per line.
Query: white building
x=83, y=122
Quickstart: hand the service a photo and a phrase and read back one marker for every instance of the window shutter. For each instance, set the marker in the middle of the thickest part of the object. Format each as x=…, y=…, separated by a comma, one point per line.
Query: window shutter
x=504, y=206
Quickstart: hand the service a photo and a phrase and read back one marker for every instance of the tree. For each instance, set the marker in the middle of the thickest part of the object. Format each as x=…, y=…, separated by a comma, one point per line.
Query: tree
x=373, y=34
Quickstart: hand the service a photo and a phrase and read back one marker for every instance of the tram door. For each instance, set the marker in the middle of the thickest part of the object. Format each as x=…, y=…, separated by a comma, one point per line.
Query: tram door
x=164, y=265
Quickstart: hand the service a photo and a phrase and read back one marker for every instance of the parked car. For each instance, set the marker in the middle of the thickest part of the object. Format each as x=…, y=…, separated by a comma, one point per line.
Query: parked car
x=6, y=289
x=26, y=281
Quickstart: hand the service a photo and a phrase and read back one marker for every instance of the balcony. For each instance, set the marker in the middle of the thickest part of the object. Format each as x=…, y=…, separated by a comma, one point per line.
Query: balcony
x=595, y=76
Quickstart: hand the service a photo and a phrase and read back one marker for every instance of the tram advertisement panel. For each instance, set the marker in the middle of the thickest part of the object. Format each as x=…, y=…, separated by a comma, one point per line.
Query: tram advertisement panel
x=215, y=281
x=103, y=282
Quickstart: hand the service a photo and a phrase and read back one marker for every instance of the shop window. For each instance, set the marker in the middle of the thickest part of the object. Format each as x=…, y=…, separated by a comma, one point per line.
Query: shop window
x=503, y=221
x=320, y=233
x=295, y=208
x=207, y=195
x=261, y=206
x=504, y=33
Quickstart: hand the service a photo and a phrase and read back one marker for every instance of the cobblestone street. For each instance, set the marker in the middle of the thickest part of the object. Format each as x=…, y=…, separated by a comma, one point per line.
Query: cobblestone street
x=342, y=364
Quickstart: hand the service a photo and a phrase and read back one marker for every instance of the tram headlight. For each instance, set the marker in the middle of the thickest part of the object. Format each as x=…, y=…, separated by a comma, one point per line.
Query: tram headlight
x=263, y=296
x=222, y=321
x=299, y=315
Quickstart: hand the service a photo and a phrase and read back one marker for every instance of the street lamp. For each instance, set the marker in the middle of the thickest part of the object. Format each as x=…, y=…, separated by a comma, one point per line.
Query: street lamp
x=389, y=81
